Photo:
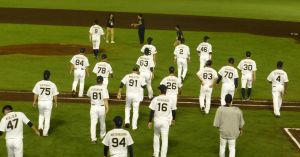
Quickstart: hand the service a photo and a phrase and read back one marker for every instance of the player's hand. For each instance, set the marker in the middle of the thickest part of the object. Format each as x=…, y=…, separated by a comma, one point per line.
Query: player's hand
x=173, y=122
x=106, y=110
x=241, y=132
x=34, y=104
x=55, y=104
x=150, y=125
x=119, y=96
x=37, y=133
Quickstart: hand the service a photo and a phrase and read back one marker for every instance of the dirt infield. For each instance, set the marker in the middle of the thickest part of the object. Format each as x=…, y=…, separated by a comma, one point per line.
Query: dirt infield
x=153, y=21
x=44, y=49
x=294, y=135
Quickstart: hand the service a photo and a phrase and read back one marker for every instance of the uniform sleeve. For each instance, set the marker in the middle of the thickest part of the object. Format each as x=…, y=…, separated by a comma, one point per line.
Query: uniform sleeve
x=152, y=105
x=199, y=73
x=221, y=72
x=151, y=63
x=89, y=92
x=163, y=82
x=240, y=66
x=129, y=139
x=25, y=120
x=236, y=74
x=176, y=51
x=95, y=70
x=110, y=70
x=154, y=50
x=217, y=118
x=270, y=78
x=106, y=140
x=91, y=30
x=87, y=62
x=2, y=125
x=138, y=61
x=254, y=66
x=124, y=80
x=72, y=61
x=143, y=49
x=215, y=75
x=210, y=48
x=179, y=83
x=173, y=105
x=35, y=89
x=188, y=50
x=198, y=48
x=55, y=91
x=286, y=79
x=101, y=32
x=105, y=94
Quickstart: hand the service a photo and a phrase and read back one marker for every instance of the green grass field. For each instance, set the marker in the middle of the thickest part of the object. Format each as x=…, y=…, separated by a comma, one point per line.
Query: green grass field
x=21, y=72
x=257, y=9
x=193, y=134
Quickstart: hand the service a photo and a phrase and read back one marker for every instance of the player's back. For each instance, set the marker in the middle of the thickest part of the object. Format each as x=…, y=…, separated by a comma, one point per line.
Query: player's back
x=118, y=140
x=80, y=61
x=162, y=106
x=247, y=66
x=133, y=83
x=204, y=48
x=228, y=73
x=102, y=69
x=152, y=49
x=96, y=30
x=182, y=51
x=45, y=90
x=207, y=74
x=145, y=63
x=97, y=93
x=278, y=77
x=12, y=124
x=172, y=83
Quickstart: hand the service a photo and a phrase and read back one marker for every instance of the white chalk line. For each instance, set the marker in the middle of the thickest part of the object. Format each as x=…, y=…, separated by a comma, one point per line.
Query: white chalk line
x=291, y=135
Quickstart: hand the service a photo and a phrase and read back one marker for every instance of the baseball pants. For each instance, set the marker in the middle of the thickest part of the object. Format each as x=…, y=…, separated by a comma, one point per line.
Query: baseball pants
x=96, y=43
x=203, y=61
x=182, y=68
x=148, y=80
x=97, y=112
x=141, y=33
x=161, y=128
x=205, y=98
x=132, y=99
x=45, y=109
x=14, y=147
x=277, y=92
x=246, y=81
x=79, y=75
x=226, y=89
x=231, y=146
x=174, y=98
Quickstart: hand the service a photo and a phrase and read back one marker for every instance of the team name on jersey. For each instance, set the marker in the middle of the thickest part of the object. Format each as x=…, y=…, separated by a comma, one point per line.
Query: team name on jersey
x=11, y=117
x=118, y=134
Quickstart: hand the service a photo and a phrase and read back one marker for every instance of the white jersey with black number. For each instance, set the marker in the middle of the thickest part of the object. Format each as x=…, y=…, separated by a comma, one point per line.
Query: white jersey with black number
x=12, y=124
x=278, y=77
x=45, y=90
x=247, y=66
x=134, y=83
x=97, y=94
x=205, y=49
x=103, y=69
x=145, y=63
x=152, y=49
x=96, y=31
x=162, y=106
x=182, y=51
x=80, y=62
x=173, y=84
x=118, y=140
x=207, y=75
x=228, y=74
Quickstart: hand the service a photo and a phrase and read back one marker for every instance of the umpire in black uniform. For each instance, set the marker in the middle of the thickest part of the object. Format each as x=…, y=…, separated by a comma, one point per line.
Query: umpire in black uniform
x=141, y=28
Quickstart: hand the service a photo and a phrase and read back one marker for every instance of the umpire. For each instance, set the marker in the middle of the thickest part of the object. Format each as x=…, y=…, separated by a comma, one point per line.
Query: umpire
x=141, y=28
x=229, y=120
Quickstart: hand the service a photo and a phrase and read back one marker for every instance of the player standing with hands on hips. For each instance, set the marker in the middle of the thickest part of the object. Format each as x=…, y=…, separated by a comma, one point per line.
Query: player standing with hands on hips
x=103, y=69
x=230, y=78
x=162, y=108
x=141, y=28
x=95, y=37
x=248, y=68
x=45, y=92
x=110, y=24
x=204, y=50
x=230, y=122
x=79, y=65
x=182, y=56
x=208, y=77
x=12, y=124
x=279, y=80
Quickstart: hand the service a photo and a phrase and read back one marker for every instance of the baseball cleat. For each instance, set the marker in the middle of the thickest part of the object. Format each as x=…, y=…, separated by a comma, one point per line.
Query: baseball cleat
x=127, y=125
x=248, y=99
x=94, y=142
x=202, y=109
x=112, y=42
x=41, y=132
x=73, y=94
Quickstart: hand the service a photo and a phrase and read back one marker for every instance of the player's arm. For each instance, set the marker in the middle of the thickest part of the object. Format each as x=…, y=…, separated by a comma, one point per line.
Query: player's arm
x=71, y=68
x=254, y=75
x=106, y=105
x=106, y=148
x=152, y=73
x=174, y=116
x=35, y=97
x=151, y=115
x=33, y=128
x=285, y=87
x=236, y=82
x=189, y=58
x=130, y=150
x=120, y=90
x=154, y=59
x=111, y=75
x=219, y=78
x=87, y=71
x=55, y=100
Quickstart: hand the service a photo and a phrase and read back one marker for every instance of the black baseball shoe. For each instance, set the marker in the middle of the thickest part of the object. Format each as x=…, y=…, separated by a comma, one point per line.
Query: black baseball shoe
x=94, y=142
x=127, y=125
x=73, y=94
x=41, y=132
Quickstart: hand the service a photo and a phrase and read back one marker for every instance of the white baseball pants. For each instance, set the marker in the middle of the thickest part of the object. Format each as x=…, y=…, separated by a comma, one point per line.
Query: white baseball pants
x=231, y=146
x=182, y=67
x=14, y=147
x=277, y=92
x=161, y=128
x=227, y=89
x=97, y=112
x=203, y=61
x=174, y=98
x=205, y=97
x=246, y=81
x=45, y=109
x=135, y=101
x=148, y=79
x=79, y=75
x=96, y=43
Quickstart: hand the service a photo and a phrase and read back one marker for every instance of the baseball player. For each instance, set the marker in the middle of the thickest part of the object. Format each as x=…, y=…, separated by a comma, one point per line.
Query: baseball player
x=182, y=55
x=230, y=122
x=279, y=80
x=248, y=69
x=152, y=49
x=118, y=141
x=134, y=95
x=12, y=125
x=173, y=85
x=79, y=64
x=146, y=65
x=95, y=37
x=208, y=77
x=103, y=69
x=162, y=108
x=45, y=92
x=204, y=50
x=99, y=107
x=229, y=76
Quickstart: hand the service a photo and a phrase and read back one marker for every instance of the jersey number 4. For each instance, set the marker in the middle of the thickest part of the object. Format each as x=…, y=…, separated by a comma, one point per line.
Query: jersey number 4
x=116, y=142
x=10, y=124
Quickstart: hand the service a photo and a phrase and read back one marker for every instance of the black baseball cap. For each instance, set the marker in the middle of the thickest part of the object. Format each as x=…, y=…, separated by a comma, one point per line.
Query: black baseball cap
x=99, y=79
x=104, y=56
x=162, y=88
x=7, y=107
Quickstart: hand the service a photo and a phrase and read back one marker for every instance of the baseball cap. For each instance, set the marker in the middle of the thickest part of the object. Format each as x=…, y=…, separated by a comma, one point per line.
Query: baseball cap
x=104, y=56
x=99, y=79
x=118, y=121
x=162, y=88
x=228, y=98
x=6, y=107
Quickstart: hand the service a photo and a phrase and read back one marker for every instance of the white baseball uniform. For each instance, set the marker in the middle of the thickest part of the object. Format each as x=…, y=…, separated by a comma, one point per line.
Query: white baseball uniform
x=118, y=141
x=207, y=75
x=162, y=106
x=248, y=67
x=278, y=77
x=103, y=69
x=146, y=63
x=12, y=124
x=80, y=63
x=45, y=90
x=134, y=95
x=182, y=53
x=173, y=84
x=98, y=94
x=205, y=50
x=228, y=73
x=152, y=49
x=96, y=31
